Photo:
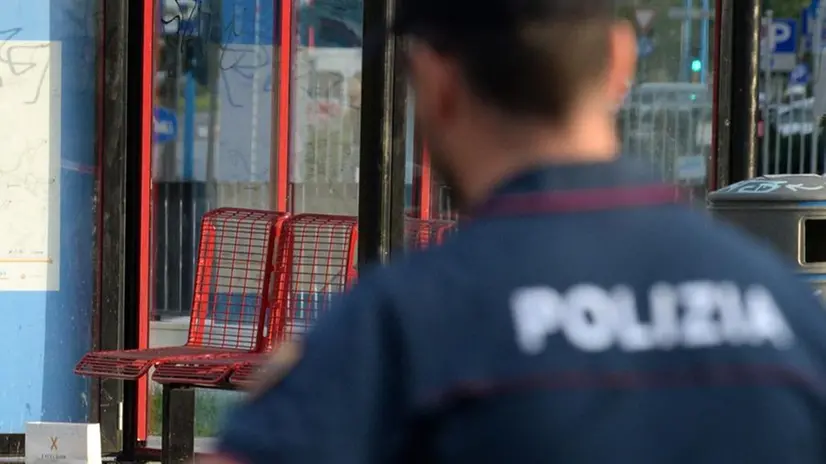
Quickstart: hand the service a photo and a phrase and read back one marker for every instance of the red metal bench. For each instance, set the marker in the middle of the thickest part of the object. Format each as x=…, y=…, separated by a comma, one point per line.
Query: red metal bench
x=233, y=273
x=315, y=260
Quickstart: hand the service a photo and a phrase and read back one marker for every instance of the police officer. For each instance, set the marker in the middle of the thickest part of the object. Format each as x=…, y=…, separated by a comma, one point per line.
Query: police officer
x=580, y=316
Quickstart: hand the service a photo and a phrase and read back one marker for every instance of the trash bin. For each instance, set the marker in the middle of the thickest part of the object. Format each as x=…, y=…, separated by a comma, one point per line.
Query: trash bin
x=788, y=212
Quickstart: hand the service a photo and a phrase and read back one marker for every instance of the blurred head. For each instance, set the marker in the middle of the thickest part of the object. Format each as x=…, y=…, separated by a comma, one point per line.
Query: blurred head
x=501, y=85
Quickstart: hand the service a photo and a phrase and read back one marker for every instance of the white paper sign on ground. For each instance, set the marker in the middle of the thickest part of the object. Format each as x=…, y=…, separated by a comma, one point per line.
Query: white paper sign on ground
x=59, y=442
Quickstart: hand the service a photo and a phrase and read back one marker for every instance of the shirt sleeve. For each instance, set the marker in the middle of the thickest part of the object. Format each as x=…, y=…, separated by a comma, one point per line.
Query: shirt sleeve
x=342, y=402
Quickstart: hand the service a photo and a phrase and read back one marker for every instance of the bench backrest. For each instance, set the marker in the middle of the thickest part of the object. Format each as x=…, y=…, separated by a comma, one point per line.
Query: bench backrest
x=316, y=262
x=233, y=275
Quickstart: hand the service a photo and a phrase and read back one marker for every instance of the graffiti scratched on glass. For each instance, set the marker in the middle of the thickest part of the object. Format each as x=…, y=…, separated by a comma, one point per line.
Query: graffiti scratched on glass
x=231, y=57
x=15, y=56
x=768, y=186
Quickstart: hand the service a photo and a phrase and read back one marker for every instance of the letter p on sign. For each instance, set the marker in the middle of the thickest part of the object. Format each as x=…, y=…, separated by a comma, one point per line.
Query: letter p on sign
x=781, y=33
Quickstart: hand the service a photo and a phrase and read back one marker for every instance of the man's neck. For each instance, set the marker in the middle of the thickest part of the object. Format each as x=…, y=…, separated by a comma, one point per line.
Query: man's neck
x=522, y=150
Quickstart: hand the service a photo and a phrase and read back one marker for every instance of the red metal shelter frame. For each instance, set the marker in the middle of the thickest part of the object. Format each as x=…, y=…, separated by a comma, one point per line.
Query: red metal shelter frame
x=147, y=84
x=425, y=185
x=282, y=146
x=279, y=153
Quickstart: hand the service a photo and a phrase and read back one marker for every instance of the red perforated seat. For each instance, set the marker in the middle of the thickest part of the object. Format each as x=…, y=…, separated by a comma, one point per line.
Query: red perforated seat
x=133, y=364
x=245, y=374
x=319, y=263
x=316, y=263
x=210, y=372
x=233, y=279
x=200, y=371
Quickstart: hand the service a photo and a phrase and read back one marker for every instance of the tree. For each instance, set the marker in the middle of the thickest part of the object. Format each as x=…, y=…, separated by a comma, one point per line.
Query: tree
x=786, y=8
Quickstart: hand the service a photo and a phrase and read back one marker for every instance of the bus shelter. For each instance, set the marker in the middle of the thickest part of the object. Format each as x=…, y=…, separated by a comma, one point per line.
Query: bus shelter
x=124, y=124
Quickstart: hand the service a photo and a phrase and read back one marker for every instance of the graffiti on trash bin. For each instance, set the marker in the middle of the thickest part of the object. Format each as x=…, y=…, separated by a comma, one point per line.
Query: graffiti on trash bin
x=767, y=186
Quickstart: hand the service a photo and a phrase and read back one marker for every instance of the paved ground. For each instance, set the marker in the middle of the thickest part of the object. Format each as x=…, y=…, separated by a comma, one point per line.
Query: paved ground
x=202, y=445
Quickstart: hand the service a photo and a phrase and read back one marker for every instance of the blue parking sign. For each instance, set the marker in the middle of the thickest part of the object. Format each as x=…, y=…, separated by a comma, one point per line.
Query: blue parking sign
x=784, y=35
x=164, y=125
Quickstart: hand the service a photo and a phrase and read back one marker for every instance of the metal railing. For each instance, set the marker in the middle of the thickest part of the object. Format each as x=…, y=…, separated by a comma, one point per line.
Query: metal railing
x=790, y=135
x=789, y=128
x=668, y=125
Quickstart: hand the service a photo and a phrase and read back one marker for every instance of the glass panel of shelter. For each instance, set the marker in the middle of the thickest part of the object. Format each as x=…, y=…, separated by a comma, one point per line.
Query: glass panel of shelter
x=666, y=118
x=216, y=87
x=217, y=144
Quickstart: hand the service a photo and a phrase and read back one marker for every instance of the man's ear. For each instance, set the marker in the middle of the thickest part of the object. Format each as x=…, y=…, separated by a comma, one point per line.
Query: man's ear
x=622, y=63
x=432, y=79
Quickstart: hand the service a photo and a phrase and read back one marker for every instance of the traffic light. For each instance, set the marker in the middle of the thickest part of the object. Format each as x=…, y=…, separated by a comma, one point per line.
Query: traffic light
x=696, y=65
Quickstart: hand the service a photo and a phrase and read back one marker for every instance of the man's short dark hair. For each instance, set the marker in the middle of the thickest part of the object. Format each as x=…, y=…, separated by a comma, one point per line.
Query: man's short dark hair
x=530, y=58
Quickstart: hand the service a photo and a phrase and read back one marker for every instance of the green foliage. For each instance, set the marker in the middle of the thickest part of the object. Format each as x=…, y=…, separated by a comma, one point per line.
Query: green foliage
x=785, y=8
x=210, y=407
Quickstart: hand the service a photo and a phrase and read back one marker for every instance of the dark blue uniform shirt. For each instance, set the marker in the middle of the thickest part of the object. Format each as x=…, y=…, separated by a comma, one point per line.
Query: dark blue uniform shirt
x=579, y=317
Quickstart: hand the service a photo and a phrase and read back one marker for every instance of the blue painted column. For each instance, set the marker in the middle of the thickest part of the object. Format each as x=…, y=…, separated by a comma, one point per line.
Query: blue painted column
x=189, y=127
x=47, y=194
x=704, y=41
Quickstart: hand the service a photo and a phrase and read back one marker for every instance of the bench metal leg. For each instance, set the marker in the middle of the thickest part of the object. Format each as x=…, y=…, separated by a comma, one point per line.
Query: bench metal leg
x=178, y=424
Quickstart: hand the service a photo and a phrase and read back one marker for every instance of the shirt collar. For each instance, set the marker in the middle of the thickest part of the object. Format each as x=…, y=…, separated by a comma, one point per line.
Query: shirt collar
x=618, y=174
x=603, y=175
